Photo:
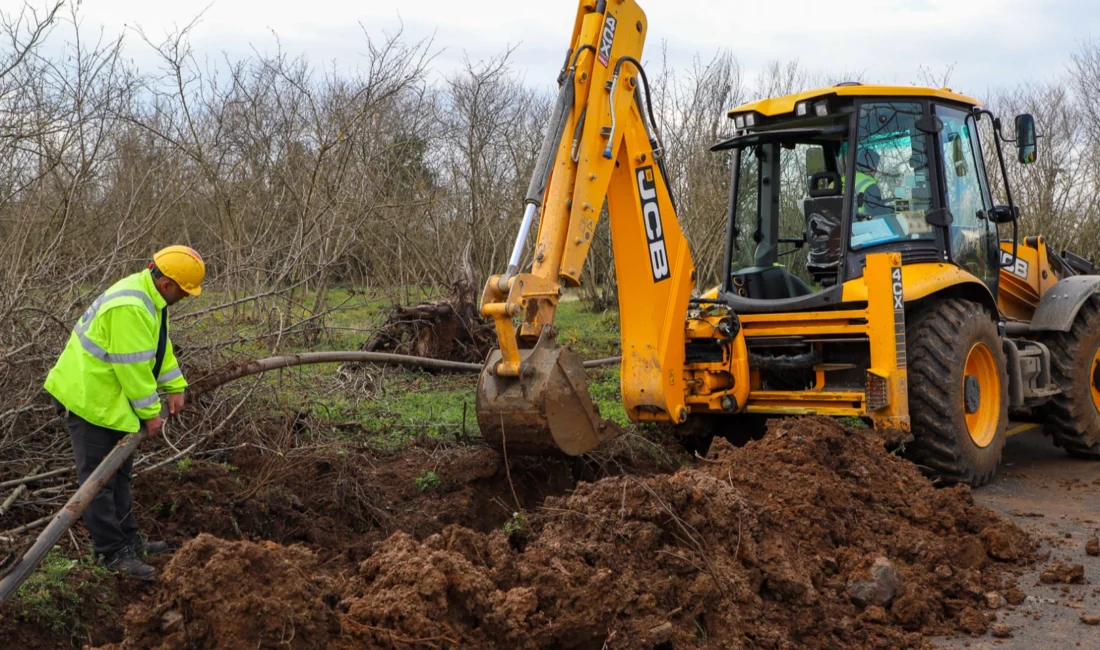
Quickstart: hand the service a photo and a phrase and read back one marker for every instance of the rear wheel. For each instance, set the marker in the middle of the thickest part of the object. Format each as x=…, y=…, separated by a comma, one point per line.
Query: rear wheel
x=958, y=391
x=1074, y=415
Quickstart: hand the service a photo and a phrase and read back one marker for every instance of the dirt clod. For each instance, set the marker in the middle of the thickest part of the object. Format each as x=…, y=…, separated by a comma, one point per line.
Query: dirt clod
x=972, y=621
x=1005, y=541
x=1064, y=573
x=1092, y=546
x=1014, y=596
x=1001, y=630
x=1090, y=619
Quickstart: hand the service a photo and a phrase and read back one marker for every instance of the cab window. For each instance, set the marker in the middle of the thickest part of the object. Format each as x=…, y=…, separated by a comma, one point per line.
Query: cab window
x=892, y=186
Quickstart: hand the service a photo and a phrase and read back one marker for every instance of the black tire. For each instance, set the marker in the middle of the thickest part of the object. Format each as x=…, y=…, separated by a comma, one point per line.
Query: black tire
x=1073, y=417
x=939, y=339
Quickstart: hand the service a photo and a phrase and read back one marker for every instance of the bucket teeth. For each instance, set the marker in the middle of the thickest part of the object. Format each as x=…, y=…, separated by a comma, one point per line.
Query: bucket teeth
x=546, y=411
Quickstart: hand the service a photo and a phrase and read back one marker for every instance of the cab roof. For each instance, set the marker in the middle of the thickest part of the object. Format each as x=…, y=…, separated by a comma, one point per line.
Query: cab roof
x=782, y=105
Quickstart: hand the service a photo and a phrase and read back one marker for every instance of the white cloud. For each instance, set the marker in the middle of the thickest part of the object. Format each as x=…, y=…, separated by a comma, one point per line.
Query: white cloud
x=991, y=42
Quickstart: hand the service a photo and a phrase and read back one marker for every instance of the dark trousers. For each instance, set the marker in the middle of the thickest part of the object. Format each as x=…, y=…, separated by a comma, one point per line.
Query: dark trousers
x=110, y=517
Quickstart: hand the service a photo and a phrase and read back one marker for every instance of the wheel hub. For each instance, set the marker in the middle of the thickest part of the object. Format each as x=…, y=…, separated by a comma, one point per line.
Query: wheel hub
x=972, y=394
x=981, y=377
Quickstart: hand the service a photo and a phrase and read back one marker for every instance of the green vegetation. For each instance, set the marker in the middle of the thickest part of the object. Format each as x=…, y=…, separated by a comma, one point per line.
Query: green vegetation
x=606, y=391
x=427, y=481
x=389, y=407
x=183, y=465
x=54, y=595
x=518, y=530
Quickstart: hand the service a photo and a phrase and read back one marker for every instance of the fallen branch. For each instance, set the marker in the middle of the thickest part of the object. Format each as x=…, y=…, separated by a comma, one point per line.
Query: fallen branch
x=37, y=523
x=20, y=489
x=35, y=477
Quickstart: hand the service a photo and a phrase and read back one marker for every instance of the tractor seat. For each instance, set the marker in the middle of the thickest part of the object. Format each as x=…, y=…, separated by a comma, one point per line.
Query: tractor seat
x=768, y=283
x=824, y=220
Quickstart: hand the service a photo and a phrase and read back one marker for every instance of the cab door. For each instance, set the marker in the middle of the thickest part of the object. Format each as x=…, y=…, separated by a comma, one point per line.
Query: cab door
x=973, y=241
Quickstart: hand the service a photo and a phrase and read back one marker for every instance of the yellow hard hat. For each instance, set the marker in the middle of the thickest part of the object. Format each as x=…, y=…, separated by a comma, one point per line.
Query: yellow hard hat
x=182, y=264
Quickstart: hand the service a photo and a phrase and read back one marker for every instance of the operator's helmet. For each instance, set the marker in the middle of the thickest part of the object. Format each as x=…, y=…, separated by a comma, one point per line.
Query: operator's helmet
x=867, y=160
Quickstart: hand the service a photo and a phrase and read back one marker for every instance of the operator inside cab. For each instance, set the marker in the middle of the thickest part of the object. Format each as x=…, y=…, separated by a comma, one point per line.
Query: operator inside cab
x=868, y=195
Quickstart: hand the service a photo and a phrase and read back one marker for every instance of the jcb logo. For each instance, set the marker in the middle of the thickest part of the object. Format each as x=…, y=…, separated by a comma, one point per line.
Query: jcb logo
x=608, y=39
x=654, y=232
x=899, y=289
x=1019, y=268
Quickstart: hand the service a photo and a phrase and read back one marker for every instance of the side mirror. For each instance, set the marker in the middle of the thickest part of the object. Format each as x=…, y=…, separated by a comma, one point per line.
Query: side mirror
x=1004, y=214
x=1026, y=146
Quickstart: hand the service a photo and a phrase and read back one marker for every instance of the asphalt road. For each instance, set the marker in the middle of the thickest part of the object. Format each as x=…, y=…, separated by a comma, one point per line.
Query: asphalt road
x=1057, y=499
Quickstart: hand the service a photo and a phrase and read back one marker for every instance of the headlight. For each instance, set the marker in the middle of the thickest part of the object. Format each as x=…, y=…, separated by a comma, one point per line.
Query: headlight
x=821, y=109
x=750, y=119
x=801, y=109
x=739, y=121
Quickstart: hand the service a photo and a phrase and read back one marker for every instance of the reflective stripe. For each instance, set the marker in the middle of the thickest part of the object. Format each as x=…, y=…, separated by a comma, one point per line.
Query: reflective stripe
x=133, y=293
x=86, y=319
x=133, y=357
x=92, y=348
x=165, y=377
x=145, y=401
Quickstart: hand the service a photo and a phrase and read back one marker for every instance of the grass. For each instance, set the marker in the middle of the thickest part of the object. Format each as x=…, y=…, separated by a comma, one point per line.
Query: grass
x=53, y=596
x=389, y=407
x=383, y=407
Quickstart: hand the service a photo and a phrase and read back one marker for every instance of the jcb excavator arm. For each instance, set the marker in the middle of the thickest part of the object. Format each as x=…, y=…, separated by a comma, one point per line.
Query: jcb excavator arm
x=601, y=143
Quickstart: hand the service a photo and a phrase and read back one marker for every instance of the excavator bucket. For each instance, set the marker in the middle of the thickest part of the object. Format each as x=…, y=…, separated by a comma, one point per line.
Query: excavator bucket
x=546, y=411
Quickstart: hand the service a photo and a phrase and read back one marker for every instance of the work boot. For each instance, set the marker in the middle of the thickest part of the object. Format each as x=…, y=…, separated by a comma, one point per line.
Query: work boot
x=126, y=563
x=144, y=548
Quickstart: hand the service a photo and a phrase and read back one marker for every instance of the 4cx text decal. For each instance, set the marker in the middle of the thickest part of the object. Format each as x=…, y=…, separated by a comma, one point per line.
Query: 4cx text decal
x=607, y=40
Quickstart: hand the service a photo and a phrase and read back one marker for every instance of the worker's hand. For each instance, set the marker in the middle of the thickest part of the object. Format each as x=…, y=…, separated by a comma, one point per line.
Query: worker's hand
x=175, y=403
x=154, y=426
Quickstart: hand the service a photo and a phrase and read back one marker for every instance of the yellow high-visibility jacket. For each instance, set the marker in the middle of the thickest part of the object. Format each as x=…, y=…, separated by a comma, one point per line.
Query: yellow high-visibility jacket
x=105, y=373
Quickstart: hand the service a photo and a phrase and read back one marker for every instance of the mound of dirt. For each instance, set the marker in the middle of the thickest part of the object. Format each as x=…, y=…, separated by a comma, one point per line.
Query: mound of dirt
x=813, y=537
x=220, y=594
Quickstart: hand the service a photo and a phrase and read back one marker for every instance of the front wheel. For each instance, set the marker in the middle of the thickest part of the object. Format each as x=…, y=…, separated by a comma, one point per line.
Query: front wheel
x=958, y=391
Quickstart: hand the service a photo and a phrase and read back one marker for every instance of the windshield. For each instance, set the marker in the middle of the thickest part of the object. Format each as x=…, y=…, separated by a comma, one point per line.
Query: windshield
x=892, y=194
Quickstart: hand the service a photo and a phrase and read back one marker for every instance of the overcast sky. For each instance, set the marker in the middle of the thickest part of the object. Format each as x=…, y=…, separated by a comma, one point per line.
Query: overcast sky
x=990, y=42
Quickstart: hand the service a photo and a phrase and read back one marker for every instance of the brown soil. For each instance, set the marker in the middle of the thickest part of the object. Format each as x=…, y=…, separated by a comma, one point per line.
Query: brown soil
x=754, y=547
x=221, y=594
x=343, y=504
x=1063, y=572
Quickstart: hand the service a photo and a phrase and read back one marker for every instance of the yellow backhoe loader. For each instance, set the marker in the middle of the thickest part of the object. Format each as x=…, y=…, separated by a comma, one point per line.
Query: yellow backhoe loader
x=909, y=299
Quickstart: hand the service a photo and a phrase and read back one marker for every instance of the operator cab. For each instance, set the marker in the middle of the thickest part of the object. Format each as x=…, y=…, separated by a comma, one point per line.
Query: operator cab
x=822, y=178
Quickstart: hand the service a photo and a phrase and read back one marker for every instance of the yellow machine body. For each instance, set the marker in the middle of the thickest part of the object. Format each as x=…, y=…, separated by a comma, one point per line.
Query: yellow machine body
x=685, y=355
